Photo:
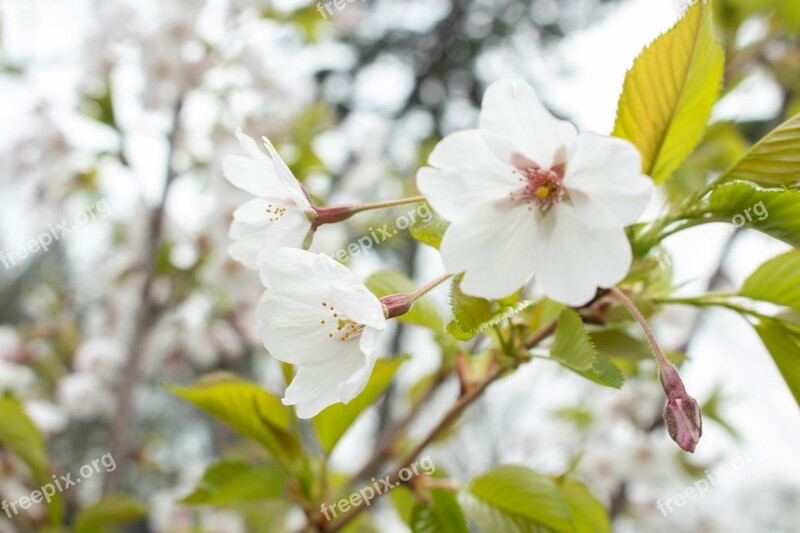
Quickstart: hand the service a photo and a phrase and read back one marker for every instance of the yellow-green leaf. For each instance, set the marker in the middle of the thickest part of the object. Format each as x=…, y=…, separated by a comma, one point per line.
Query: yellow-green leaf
x=669, y=92
x=772, y=161
x=776, y=281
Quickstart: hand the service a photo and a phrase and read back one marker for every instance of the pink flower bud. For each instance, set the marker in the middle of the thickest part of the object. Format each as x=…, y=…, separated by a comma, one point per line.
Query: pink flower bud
x=681, y=414
x=397, y=305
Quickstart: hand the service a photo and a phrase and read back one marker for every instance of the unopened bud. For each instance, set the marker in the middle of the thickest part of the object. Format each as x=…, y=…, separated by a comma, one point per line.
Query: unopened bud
x=397, y=305
x=681, y=414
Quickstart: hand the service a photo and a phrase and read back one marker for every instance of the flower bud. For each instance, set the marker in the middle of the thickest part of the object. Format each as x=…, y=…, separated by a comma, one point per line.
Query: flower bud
x=681, y=414
x=396, y=305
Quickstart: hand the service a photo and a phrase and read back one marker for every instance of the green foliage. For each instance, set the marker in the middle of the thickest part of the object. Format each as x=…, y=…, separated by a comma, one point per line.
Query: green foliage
x=669, y=92
x=573, y=348
x=473, y=315
x=783, y=343
x=235, y=482
x=777, y=281
x=424, y=312
x=518, y=499
x=334, y=421
x=19, y=436
x=738, y=198
x=774, y=161
x=442, y=516
x=430, y=232
x=112, y=510
x=246, y=408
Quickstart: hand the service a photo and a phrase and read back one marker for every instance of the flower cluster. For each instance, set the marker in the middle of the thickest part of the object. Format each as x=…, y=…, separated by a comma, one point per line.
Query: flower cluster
x=525, y=194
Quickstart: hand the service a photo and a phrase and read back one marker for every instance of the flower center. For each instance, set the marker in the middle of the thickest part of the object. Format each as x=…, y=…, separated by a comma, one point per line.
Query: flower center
x=346, y=329
x=275, y=213
x=541, y=188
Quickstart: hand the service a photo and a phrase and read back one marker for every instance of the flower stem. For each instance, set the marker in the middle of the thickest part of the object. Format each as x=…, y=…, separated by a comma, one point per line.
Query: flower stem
x=383, y=205
x=422, y=291
x=622, y=297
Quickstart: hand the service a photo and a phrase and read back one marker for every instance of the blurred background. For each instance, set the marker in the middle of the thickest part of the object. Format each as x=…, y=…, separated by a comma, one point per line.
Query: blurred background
x=115, y=119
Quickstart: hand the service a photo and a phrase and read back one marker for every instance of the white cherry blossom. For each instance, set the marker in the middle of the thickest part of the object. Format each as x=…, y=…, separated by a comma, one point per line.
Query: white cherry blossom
x=277, y=217
x=315, y=314
x=528, y=195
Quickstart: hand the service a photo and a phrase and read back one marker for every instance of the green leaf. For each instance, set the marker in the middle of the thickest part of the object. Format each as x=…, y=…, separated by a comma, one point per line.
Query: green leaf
x=430, y=232
x=669, y=92
x=442, y=516
x=335, y=420
x=776, y=281
x=784, y=345
x=247, y=408
x=423, y=313
x=773, y=161
x=473, y=315
x=573, y=348
x=604, y=372
x=114, y=509
x=770, y=211
x=233, y=482
x=616, y=343
x=21, y=437
x=588, y=514
x=516, y=498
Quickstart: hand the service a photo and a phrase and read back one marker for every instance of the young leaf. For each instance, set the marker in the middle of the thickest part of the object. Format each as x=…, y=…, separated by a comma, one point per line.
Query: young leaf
x=773, y=161
x=112, y=510
x=430, y=232
x=248, y=409
x=784, y=345
x=573, y=348
x=19, y=436
x=335, y=420
x=776, y=281
x=770, y=211
x=424, y=312
x=604, y=372
x=588, y=514
x=515, y=498
x=668, y=94
x=234, y=482
x=473, y=315
x=442, y=516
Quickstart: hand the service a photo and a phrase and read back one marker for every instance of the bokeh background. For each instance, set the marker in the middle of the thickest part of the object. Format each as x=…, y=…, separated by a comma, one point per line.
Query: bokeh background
x=132, y=105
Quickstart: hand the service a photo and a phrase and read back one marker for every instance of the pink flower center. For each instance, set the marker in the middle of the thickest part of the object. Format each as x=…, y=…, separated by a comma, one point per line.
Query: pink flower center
x=541, y=188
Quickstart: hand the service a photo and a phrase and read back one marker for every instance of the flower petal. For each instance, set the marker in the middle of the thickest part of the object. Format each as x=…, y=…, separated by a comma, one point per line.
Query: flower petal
x=605, y=182
x=469, y=184
x=290, y=231
x=359, y=304
x=514, y=121
x=577, y=259
x=286, y=177
x=496, y=259
x=316, y=387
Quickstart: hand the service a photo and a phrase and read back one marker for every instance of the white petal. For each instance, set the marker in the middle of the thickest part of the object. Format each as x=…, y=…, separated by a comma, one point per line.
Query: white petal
x=577, y=259
x=293, y=331
x=254, y=177
x=469, y=184
x=290, y=231
x=246, y=251
x=286, y=177
x=496, y=259
x=514, y=121
x=358, y=304
x=605, y=181
x=316, y=387
x=290, y=270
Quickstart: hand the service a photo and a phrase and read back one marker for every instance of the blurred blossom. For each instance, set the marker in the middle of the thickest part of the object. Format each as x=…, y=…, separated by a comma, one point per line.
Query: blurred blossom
x=48, y=417
x=86, y=397
x=16, y=379
x=104, y=357
x=10, y=344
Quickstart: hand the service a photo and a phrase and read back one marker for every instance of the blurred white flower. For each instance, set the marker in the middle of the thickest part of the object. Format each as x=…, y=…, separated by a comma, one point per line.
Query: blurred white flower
x=14, y=378
x=316, y=314
x=103, y=357
x=48, y=417
x=277, y=216
x=10, y=344
x=85, y=397
x=527, y=195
